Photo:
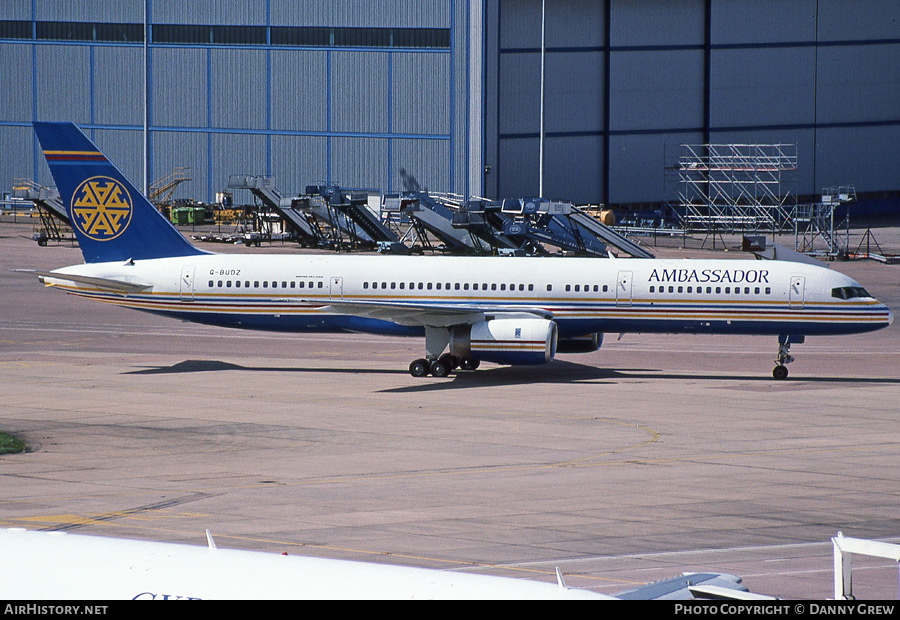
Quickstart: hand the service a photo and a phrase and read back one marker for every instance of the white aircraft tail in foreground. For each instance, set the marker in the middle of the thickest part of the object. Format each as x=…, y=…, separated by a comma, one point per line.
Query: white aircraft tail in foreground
x=469, y=309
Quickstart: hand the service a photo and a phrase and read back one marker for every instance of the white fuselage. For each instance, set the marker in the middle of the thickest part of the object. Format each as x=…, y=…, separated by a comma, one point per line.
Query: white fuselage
x=583, y=296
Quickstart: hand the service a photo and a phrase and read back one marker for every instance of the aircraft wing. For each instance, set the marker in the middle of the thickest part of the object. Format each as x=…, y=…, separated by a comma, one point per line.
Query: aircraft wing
x=119, y=286
x=430, y=315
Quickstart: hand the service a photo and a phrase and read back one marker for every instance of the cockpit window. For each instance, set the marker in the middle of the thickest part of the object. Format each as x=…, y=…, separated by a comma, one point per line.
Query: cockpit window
x=849, y=292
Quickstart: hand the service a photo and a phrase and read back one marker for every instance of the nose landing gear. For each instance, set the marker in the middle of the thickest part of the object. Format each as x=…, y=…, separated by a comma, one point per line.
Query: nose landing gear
x=784, y=355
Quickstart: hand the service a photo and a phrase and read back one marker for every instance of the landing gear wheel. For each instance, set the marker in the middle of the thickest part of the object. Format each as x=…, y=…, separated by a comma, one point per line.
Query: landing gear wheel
x=467, y=363
x=450, y=361
x=780, y=372
x=419, y=368
x=439, y=369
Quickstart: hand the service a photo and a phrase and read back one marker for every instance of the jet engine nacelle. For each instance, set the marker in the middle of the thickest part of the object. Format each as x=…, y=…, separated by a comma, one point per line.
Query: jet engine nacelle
x=506, y=341
x=581, y=344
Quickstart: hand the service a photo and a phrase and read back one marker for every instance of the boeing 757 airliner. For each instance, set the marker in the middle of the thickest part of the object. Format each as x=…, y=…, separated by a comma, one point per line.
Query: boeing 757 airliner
x=470, y=309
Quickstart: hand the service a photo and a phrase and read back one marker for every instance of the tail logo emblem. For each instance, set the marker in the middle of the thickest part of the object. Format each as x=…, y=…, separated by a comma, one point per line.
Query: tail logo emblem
x=101, y=208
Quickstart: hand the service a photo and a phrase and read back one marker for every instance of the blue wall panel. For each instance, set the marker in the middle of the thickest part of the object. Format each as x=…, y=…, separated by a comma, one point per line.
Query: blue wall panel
x=371, y=13
x=359, y=92
x=299, y=90
x=118, y=86
x=656, y=22
x=420, y=102
x=420, y=165
x=359, y=162
x=298, y=161
x=763, y=21
x=180, y=87
x=762, y=86
x=858, y=84
x=18, y=157
x=656, y=90
x=16, y=82
x=63, y=75
x=110, y=11
x=224, y=12
x=238, y=89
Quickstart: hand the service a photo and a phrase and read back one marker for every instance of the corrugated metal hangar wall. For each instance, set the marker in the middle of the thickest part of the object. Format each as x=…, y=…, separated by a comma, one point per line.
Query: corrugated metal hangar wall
x=445, y=94
x=364, y=94
x=626, y=79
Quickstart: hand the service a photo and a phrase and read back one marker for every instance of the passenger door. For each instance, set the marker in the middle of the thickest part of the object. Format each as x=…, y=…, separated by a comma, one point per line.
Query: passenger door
x=624, y=288
x=187, y=283
x=337, y=288
x=797, y=293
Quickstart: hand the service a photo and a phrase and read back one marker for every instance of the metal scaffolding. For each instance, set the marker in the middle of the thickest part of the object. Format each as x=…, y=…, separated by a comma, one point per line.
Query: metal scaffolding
x=733, y=188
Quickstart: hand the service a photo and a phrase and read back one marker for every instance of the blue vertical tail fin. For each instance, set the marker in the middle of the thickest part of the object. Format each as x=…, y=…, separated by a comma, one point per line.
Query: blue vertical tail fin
x=112, y=220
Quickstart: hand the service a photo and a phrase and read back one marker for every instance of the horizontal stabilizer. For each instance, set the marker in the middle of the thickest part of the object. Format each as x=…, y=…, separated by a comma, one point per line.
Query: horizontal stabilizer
x=118, y=286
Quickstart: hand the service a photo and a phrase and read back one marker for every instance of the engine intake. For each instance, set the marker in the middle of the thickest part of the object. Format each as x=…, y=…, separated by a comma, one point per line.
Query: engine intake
x=513, y=341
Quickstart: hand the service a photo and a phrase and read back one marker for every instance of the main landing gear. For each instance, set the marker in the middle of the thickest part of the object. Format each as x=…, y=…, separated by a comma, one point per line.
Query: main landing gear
x=442, y=366
x=437, y=363
x=784, y=355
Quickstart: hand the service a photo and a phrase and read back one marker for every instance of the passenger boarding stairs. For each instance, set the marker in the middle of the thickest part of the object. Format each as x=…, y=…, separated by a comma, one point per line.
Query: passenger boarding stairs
x=49, y=206
x=162, y=189
x=298, y=215
x=565, y=226
x=361, y=222
x=432, y=215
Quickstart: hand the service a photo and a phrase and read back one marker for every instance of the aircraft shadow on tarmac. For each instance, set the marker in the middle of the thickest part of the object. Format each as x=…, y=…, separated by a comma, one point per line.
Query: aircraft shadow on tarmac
x=557, y=372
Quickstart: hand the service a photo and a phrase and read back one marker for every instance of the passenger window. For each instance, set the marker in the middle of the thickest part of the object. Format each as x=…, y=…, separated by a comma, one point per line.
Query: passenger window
x=465, y=286
x=502, y=287
x=549, y=287
x=211, y=284
x=494, y=286
x=577, y=288
x=393, y=285
x=568, y=287
x=652, y=289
